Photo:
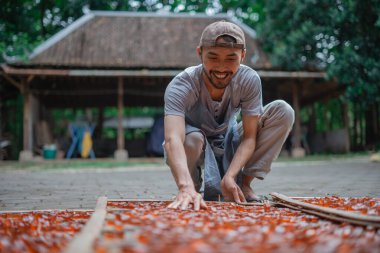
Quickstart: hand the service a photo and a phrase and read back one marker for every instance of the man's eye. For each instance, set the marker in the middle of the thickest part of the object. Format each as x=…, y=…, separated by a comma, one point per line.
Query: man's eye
x=212, y=58
x=231, y=59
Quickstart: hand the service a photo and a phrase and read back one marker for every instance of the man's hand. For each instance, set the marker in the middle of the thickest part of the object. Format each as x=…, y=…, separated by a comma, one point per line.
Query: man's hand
x=186, y=196
x=231, y=191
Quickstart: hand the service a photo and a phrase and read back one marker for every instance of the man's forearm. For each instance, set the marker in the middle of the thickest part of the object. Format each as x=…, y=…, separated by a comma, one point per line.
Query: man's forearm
x=241, y=157
x=178, y=163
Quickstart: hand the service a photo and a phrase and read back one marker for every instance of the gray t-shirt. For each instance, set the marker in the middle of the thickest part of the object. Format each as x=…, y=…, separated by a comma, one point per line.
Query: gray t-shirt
x=187, y=96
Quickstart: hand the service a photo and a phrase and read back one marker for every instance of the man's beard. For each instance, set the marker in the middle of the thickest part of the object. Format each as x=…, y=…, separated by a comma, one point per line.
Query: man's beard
x=216, y=82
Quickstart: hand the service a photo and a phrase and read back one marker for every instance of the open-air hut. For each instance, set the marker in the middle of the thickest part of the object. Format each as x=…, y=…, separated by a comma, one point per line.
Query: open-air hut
x=127, y=59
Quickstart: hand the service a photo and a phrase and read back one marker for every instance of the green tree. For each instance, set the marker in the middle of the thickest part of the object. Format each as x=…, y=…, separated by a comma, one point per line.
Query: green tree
x=340, y=37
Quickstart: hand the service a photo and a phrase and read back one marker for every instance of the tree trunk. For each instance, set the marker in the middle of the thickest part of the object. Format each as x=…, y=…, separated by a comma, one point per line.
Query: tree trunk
x=355, y=127
x=42, y=15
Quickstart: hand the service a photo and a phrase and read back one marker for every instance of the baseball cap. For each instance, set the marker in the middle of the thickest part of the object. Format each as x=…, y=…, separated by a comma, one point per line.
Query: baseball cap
x=213, y=31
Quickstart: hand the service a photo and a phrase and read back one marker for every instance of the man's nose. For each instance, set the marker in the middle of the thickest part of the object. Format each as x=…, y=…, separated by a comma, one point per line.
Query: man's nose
x=221, y=66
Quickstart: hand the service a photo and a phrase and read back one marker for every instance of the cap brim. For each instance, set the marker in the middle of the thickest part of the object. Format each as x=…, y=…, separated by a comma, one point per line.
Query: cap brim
x=222, y=44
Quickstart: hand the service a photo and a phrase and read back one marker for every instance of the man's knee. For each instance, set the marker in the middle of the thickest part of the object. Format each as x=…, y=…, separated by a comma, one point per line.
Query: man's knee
x=194, y=142
x=284, y=112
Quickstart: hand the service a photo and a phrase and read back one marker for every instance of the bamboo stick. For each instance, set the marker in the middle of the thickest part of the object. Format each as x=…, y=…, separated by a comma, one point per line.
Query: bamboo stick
x=330, y=216
x=326, y=212
x=250, y=204
x=83, y=242
x=138, y=200
x=46, y=210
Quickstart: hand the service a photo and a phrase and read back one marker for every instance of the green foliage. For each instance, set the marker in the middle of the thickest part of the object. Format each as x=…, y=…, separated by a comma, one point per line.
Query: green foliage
x=12, y=124
x=340, y=37
x=298, y=34
x=251, y=12
x=358, y=64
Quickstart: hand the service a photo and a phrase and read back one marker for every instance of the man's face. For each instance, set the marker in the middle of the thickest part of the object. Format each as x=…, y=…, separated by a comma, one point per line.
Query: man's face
x=220, y=64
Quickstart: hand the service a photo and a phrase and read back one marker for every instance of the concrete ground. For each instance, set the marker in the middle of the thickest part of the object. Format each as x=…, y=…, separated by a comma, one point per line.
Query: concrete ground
x=24, y=189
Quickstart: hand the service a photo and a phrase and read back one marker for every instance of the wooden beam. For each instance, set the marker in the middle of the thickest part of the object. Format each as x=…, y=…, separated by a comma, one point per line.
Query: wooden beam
x=30, y=78
x=120, y=110
x=146, y=72
x=32, y=72
x=292, y=74
x=84, y=241
x=12, y=81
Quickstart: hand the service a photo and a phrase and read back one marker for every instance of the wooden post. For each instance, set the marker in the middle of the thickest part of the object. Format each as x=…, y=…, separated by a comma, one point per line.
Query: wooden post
x=312, y=120
x=297, y=151
x=26, y=117
x=120, y=109
x=26, y=154
x=346, y=120
x=121, y=153
x=99, y=128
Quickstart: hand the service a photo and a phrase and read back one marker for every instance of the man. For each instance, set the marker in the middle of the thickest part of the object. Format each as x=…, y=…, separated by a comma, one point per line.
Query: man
x=201, y=131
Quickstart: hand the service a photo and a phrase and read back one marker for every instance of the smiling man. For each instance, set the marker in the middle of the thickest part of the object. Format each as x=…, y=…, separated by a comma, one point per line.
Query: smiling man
x=207, y=150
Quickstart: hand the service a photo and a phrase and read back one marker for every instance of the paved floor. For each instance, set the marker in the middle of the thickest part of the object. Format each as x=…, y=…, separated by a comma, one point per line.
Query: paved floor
x=79, y=188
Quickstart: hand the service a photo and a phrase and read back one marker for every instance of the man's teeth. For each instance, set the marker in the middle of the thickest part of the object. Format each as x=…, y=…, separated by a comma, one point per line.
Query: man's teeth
x=221, y=76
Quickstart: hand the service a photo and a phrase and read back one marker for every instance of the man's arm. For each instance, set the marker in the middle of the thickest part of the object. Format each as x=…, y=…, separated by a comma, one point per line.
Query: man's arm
x=230, y=190
x=174, y=139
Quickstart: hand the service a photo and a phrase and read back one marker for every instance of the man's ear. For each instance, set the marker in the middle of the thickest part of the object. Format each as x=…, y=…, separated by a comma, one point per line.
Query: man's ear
x=243, y=55
x=199, y=52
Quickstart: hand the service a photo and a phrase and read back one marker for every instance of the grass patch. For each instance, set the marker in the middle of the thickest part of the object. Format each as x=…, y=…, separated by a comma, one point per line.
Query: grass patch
x=77, y=164
x=323, y=157
x=134, y=162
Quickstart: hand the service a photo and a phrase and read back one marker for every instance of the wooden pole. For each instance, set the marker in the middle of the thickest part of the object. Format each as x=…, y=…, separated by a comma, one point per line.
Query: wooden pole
x=346, y=120
x=27, y=123
x=355, y=128
x=297, y=122
x=100, y=122
x=120, y=108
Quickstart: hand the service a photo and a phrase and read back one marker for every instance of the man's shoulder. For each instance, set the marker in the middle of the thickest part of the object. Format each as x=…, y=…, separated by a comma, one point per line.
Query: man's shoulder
x=188, y=77
x=187, y=82
x=193, y=72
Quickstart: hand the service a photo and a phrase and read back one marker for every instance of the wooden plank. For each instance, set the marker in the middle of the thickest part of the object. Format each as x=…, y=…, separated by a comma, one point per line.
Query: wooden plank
x=84, y=241
x=333, y=213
